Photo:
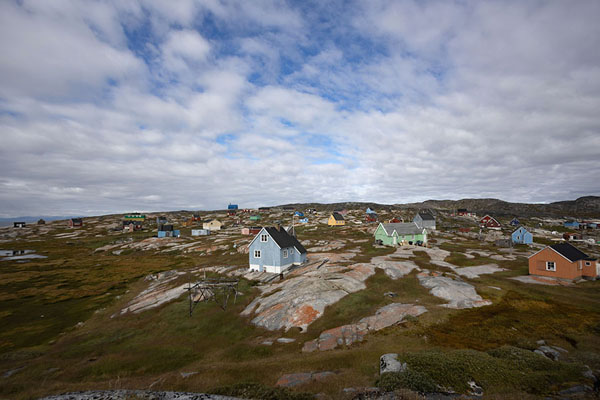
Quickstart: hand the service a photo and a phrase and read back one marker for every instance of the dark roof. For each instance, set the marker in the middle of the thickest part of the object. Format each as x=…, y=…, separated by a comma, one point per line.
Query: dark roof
x=570, y=252
x=284, y=239
x=462, y=210
x=165, y=228
x=337, y=217
x=77, y=220
x=426, y=216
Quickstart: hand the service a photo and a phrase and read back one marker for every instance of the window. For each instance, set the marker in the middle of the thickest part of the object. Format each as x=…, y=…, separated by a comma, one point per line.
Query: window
x=588, y=263
x=550, y=266
x=264, y=238
x=285, y=253
x=256, y=253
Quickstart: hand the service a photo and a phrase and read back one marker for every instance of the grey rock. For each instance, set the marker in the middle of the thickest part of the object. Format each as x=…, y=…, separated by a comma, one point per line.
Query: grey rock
x=459, y=293
x=187, y=374
x=475, y=389
x=286, y=340
x=540, y=342
x=11, y=372
x=576, y=390
x=548, y=352
x=389, y=363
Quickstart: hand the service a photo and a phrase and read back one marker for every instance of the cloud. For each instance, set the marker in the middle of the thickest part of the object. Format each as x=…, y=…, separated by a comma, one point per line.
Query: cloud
x=113, y=107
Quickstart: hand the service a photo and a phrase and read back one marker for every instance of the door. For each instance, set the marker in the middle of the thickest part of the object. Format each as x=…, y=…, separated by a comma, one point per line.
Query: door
x=395, y=240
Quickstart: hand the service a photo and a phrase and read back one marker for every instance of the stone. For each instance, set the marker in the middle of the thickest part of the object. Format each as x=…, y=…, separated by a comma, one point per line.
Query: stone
x=548, y=352
x=390, y=294
x=475, y=389
x=540, y=342
x=301, y=378
x=389, y=363
x=187, y=374
x=286, y=340
x=310, y=346
x=459, y=293
x=267, y=343
x=474, y=272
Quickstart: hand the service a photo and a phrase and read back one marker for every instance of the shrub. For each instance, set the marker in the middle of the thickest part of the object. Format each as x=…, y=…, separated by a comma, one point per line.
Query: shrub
x=258, y=391
x=409, y=379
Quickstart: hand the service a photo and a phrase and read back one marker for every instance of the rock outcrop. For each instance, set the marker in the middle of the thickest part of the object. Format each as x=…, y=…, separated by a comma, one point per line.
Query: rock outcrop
x=459, y=293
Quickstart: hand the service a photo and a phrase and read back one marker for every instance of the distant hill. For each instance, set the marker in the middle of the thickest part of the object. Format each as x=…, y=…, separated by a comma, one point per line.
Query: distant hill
x=588, y=206
x=30, y=219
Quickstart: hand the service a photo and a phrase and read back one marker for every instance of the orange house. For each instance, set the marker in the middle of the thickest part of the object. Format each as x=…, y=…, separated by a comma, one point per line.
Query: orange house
x=564, y=261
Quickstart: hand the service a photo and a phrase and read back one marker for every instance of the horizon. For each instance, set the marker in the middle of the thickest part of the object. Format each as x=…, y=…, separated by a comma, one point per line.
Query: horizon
x=107, y=107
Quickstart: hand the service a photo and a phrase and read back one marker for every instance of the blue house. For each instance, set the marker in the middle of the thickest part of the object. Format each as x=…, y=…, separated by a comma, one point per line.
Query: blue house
x=515, y=222
x=167, y=231
x=521, y=236
x=275, y=250
x=232, y=207
x=298, y=214
x=303, y=220
x=571, y=224
x=369, y=211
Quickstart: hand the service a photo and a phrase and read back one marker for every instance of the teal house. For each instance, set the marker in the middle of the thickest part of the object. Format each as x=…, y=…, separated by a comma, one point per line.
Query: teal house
x=400, y=233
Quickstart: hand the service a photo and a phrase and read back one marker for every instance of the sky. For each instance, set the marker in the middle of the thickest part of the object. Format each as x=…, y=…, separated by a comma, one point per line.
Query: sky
x=113, y=106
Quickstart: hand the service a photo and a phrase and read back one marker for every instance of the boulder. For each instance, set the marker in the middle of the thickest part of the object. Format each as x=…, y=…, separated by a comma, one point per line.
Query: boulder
x=548, y=352
x=389, y=363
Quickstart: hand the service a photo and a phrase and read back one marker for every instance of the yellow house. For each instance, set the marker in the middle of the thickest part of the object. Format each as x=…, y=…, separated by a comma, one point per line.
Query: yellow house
x=212, y=224
x=336, y=219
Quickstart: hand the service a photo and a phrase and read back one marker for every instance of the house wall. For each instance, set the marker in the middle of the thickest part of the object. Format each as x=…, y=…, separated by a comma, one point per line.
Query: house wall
x=422, y=223
x=522, y=236
x=333, y=221
x=564, y=268
x=590, y=270
x=380, y=234
x=272, y=259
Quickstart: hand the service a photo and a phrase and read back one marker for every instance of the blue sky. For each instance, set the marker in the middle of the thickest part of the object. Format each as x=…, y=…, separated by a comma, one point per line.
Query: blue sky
x=109, y=106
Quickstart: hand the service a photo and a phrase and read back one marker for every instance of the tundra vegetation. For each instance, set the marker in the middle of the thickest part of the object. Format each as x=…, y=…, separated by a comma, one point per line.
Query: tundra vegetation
x=63, y=328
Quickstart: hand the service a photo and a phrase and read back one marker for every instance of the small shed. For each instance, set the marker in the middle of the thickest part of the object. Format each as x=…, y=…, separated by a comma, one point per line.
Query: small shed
x=200, y=232
x=505, y=242
x=571, y=224
x=75, y=222
x=167, y=230
x=255, y=218
x=522, y=236
x=41, y=222
x=19, y=224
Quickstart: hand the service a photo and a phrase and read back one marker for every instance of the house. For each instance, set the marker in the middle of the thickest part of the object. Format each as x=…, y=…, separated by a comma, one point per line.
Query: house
x=515, y=222
x=425, y=219
x=75, y=222
x=463, y=212
x=188, y=222
x=370, y=211
x=395, y=220
x=572, y=236
x=255, y=218
x=232, y=209
x=200, y=232
x=298, y=214
x=130, y=226
x=41, y=222
x=489, y=222
x=135, y=217
x=342, y=212
x=521, y=236
x=336, y=219
x=564, y=261
x=212, y=225
x=19, y=224
x=264, y=208
x=371, y=217
x=167, y=231
x=400, y=233
x=311, y=210
x=571, y=224
x=274, y=250
x=303, y=220
x=196, y=217
x=161, y=220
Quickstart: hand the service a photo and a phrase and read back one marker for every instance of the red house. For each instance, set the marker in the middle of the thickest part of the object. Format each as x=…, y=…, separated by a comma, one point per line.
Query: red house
x=371, y=217
x=489, y=222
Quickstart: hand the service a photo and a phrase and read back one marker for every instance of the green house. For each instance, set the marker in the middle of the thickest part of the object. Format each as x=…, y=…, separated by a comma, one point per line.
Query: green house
x=255, y=218
x=400, y=233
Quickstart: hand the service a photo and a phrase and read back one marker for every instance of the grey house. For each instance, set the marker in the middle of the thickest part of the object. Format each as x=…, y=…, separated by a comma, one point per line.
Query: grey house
x=275, y=250
x=425, y=219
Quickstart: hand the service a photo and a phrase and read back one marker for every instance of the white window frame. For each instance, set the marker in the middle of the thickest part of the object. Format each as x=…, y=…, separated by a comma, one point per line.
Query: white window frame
x=264, y=238
x=548, y=268
x=588, y=263
x=285, y=253
x=257, y=254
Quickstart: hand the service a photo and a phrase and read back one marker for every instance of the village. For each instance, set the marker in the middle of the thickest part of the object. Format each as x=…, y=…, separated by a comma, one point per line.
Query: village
x=302, y=281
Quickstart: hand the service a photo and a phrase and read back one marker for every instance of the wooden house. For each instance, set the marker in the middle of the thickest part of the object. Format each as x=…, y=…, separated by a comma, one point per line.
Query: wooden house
x=425, y=219
x=521, y=236
x=402, y=233
x=489, y=222
x=161, y=220
x=370, y=211
x=336, y=219
x=515, y=222
x=232, y=209
x=134, y=217
x=196, y=217
x=504, y=242
x=571, y=224
x=255, y=218
x=572, y=236
x=274, y=250
x=395, y=220
x=200, y=232
x=187, y=222
x=167, y=230
x=303, y=220
x=75, y=222
x=212, y=225
x=19, y=224
x=130, y=226
x=371, y=217
x=298, y=214
x=564, y=261
x=41, y=222
x=463, y=212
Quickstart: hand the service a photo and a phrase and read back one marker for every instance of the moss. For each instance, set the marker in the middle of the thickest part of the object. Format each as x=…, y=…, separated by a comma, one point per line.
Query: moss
x=258, y=391
x=409, y=379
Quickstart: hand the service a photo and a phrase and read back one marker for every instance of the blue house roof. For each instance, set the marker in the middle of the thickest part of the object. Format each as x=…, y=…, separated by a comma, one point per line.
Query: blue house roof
x=232, y=207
